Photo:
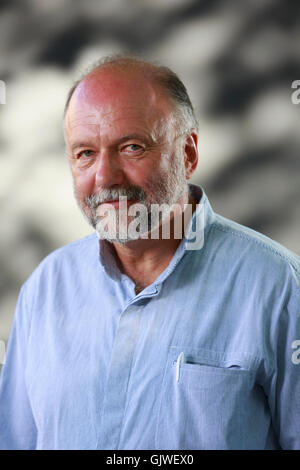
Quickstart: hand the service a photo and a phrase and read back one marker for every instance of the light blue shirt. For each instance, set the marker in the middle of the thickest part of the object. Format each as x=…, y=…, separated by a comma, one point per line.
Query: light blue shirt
x=206, y=357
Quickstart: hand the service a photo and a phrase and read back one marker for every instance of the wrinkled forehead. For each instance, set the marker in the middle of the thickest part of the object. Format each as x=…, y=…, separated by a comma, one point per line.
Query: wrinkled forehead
x=108, y=99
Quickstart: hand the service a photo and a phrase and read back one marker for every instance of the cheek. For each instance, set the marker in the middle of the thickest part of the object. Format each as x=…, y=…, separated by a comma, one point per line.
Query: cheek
x=136, y=173
x=145, y=170
x=83, y=182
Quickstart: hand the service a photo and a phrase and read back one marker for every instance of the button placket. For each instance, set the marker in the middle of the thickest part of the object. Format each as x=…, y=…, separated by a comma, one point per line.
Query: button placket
x=118, y=378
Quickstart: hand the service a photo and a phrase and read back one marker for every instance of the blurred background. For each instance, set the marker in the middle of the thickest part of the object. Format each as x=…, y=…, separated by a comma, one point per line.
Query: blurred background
x=238, y=60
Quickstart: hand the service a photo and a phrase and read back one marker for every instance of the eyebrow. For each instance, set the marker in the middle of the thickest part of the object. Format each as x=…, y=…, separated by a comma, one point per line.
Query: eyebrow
x=132, y=136
x=80, y=144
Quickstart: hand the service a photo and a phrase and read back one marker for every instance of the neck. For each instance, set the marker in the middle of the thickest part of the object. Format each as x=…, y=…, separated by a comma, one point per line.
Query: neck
x=143, y=260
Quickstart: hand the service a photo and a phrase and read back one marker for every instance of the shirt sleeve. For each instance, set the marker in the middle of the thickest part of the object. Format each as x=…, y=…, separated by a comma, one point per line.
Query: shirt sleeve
x=17, y=424
x=284, y=392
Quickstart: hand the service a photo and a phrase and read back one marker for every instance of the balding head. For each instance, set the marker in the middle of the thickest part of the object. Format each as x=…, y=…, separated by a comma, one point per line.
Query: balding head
x=170, y=84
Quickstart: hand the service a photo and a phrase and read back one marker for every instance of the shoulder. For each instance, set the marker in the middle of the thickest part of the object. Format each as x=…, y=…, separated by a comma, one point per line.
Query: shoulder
x=258, y=254
x=64, y=261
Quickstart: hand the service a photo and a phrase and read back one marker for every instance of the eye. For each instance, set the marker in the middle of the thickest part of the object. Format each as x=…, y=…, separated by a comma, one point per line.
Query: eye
x=133, y=149
x=85, y=153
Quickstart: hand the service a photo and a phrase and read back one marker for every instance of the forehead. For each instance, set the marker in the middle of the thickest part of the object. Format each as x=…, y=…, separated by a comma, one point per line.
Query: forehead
x=110, y=98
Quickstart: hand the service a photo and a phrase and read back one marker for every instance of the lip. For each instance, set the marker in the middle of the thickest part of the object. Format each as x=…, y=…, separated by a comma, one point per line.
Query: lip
x=118, y=203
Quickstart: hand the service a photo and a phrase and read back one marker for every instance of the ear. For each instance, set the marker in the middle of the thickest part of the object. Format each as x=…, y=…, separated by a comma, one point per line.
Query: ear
x=190, y=153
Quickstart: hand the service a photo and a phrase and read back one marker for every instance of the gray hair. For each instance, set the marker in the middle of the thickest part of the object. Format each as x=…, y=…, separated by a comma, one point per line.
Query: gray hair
x=165, y=77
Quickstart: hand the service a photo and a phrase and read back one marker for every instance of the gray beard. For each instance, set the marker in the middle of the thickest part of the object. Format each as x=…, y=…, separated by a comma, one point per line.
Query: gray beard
x=168, y=190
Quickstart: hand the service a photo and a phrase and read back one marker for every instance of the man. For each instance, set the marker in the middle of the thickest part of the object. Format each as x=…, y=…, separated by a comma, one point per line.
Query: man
x=139, y=340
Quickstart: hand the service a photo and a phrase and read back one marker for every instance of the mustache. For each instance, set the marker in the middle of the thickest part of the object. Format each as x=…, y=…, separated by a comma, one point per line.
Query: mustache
x=114, y=194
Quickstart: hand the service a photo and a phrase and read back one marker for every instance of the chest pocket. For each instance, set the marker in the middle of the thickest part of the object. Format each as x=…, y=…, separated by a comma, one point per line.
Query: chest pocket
x=207, y=400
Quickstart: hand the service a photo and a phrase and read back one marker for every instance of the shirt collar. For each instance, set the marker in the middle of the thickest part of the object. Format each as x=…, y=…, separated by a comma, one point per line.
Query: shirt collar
x=194, y=238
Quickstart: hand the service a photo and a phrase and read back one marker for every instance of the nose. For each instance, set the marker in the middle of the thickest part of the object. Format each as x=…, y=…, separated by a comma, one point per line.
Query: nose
x=109, y=171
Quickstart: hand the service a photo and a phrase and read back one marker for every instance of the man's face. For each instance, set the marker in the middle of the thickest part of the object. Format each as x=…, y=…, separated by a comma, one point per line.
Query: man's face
x=122, y=140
